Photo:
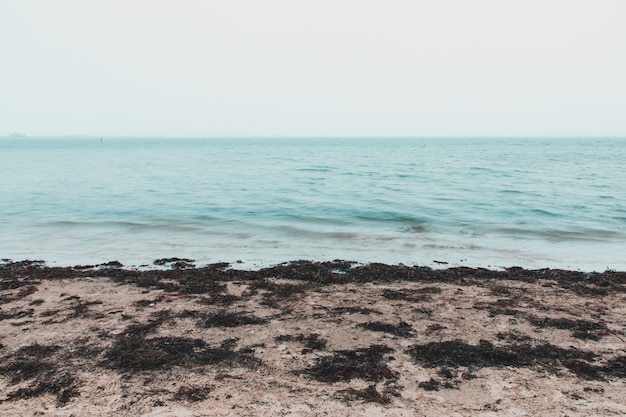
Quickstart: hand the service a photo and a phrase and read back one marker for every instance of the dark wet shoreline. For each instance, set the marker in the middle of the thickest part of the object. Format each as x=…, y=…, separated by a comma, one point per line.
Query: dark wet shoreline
x=189, y=279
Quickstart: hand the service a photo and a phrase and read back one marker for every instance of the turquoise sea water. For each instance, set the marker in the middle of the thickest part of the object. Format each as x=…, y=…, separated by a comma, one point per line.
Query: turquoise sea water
x=465, y=201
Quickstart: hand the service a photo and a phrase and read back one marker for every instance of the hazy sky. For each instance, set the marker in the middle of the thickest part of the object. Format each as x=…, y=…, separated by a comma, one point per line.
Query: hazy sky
x=309, y=68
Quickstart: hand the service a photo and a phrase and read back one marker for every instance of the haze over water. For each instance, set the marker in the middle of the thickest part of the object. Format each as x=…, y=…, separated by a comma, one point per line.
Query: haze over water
x=465, y=201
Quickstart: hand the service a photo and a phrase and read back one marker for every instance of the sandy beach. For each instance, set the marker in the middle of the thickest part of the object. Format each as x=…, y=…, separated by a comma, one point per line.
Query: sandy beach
x=310, y=339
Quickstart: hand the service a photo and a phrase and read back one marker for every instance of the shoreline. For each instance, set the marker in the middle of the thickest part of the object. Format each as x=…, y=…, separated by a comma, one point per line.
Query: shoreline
x=310, y=338
x=260, y=263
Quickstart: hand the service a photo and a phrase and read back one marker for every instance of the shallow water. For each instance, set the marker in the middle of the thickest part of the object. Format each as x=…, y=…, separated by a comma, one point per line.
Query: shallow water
x=465, y=201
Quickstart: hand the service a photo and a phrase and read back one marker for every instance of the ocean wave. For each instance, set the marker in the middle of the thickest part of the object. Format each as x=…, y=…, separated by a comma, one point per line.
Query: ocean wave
x=124, y=225
x=563, y=235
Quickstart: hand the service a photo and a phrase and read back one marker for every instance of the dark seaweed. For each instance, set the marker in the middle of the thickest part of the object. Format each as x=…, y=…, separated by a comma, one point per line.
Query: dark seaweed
x=276, y=294
x=218, y=299
x=430, y=385
x=368, y=364
x=136, y=352
x=28, y=362
x=432, y=328
x=175, y=263
x=355, y=310
x=403, y=329
x=15, y=313
x=369, y=394
x=311, y=342
x=204, y=280
x=193, y=394
x=513, y=336
x=81, y=309
x=455, y=353
x=37, y=350
x=413, y=296
x=230, y=319
x=615, y=368
x=34, y=363
x=63, y=385
x=581, y=329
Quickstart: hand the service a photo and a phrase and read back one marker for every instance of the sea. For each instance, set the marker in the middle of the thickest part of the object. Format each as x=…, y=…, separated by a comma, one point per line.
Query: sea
x=254, y=202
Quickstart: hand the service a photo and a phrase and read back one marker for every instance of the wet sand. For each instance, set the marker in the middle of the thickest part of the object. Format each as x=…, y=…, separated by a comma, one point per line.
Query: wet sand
x=310, y=339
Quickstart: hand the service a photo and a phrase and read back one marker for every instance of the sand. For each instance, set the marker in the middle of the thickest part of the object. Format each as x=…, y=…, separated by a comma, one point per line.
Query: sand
x=310, y=339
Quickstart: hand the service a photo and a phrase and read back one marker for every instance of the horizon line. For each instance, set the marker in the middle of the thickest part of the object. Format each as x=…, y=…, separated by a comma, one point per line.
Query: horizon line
x=161, y=136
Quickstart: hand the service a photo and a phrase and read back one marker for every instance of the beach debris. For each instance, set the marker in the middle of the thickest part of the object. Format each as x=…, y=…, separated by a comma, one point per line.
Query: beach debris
x=27, y=362
x=225, y=318
x=431, y=385
x=311, y=342
x=202, y=280
x=131, y=350
x=355, y=310
x=369, y=394
x=513, y=336
x=20, y=289
x=16, y=313
x=368, y=364
x=581, y=329
x=276, y=294
x=403, y=329
x=34, y=363
x=455, y=353
x=175, y=263
x=63, y=385
x=111, y=265
x=434, y=328
x=193, y=394
x=414, y=296
x=220, y=299
x=540, y=355
x=198, y=284
x=324, y=273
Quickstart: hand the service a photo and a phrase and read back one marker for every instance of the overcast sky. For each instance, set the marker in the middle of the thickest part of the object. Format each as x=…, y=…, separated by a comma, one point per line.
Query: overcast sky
x=313, y=68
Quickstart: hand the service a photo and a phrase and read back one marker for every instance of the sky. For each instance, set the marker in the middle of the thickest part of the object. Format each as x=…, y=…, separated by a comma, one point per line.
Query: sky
x=313, y=68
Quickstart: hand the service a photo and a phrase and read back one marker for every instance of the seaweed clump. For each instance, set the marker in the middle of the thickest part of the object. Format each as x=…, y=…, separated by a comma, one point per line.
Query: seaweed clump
x=355, y=310
x=311, y=342
x=63, y=385
x=322, y=273
x=456, y=353
x=193, y=394
x=277, y=293
x=403, y=329
x=369, y=394
x=368, y=364
x=431, y=385
x=16, y=313
x=132, y=350
x=228, y=319
x=614, y=368
x=218, y=299
x=175, y=263
x=581, y=329
x=134, y=353
x=30, y=363
x=413, y=296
